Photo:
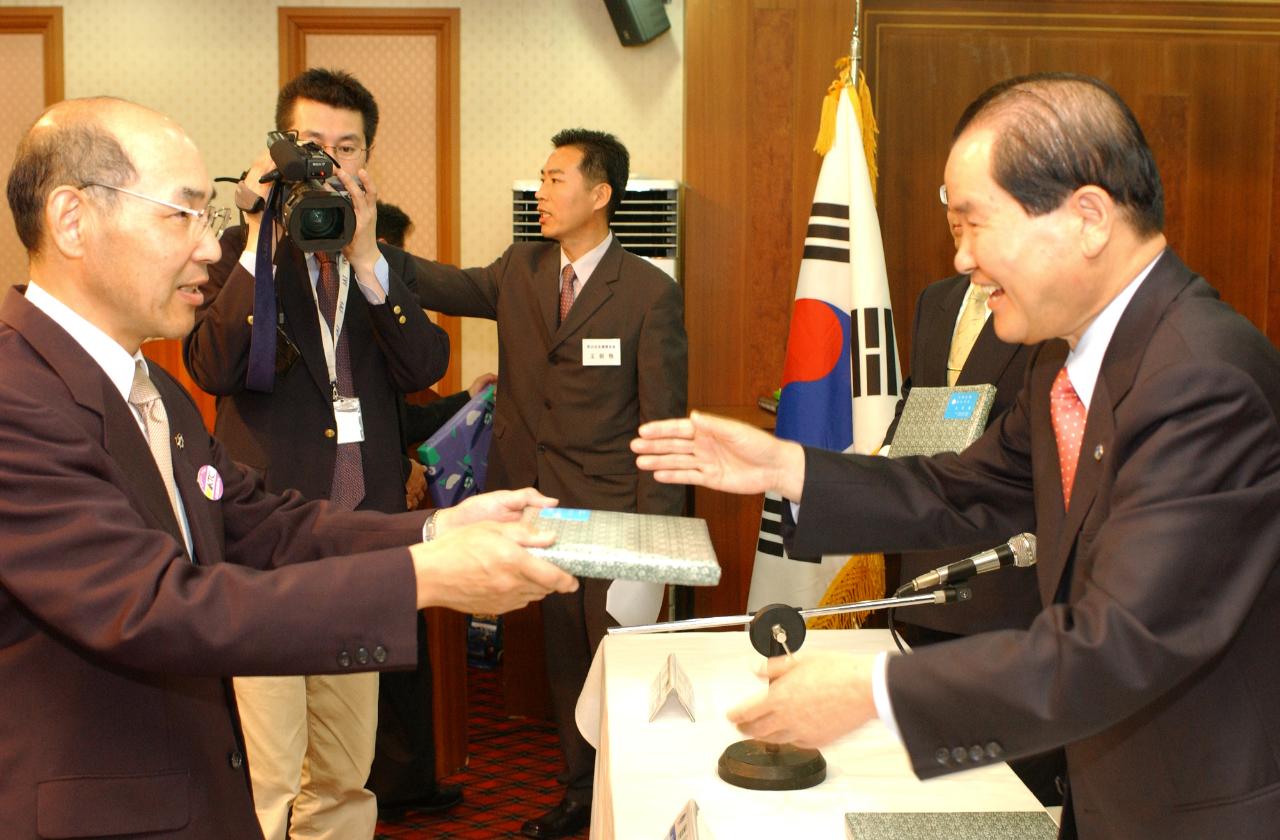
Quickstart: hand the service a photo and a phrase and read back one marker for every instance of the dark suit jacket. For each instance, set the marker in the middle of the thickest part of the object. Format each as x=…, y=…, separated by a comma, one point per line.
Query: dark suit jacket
x=1153, y=659
x=561, y=426
x=114, y=647
x=394, y=349
x=1009, y=598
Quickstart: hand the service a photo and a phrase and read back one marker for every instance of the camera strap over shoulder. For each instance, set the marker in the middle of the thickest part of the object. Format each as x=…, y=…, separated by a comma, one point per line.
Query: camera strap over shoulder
x=261, y=373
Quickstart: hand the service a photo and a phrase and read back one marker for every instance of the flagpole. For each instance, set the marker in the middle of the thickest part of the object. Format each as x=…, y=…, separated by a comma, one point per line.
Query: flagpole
x=855, y=44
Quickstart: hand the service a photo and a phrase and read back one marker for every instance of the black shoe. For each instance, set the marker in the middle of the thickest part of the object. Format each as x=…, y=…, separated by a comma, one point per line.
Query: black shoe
x=564, y=820
x=445, y=797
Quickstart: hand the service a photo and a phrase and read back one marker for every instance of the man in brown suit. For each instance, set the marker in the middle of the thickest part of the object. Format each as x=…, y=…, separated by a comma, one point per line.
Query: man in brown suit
x=591, y=344
x=1144, y=450
x=141, y=566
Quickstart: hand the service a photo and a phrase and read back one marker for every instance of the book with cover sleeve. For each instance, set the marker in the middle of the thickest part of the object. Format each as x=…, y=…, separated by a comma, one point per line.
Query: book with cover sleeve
x=955, y=825
x=942, y=419
x=628, y=546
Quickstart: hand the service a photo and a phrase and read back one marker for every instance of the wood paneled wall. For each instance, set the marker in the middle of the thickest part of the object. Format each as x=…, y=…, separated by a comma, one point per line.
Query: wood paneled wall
x=1202, y=77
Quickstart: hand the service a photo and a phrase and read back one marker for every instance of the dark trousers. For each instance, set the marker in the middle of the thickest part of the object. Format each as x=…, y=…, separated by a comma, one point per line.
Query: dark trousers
x=573, y=625
x=404, y=760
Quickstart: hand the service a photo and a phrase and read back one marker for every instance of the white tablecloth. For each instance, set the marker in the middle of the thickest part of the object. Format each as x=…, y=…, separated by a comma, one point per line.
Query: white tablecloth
x=646, y=772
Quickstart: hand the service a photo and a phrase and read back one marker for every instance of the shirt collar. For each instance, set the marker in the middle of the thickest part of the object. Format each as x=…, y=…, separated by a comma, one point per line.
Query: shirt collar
x=585, y=265
x=1084, y=363
x=115, y=361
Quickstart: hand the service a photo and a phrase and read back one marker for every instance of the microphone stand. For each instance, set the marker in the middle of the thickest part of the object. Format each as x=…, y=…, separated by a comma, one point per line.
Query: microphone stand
x=777, y=630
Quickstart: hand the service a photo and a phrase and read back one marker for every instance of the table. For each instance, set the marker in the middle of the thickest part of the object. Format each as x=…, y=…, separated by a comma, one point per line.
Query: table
x=646, y=772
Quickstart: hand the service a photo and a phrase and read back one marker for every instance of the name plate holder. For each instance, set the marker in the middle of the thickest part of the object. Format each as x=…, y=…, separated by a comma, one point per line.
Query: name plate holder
x=671, y=680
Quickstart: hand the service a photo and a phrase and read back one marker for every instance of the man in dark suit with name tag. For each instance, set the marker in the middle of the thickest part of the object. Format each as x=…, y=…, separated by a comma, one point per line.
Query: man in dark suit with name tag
x=591, y=344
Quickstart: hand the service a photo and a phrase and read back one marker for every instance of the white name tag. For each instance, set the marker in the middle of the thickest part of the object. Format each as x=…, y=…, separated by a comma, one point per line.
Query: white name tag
x=602, y=351
x=346, y=413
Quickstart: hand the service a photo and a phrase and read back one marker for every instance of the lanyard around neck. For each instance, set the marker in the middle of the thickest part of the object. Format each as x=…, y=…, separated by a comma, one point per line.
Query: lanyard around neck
x=329, y=340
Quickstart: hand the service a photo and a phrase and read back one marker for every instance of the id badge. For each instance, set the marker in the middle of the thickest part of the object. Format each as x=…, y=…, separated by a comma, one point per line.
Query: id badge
x=346, y=413
x=602, y=352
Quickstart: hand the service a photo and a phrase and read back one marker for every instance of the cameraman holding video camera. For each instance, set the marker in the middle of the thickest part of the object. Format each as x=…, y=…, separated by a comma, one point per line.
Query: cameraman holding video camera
x=315, y=408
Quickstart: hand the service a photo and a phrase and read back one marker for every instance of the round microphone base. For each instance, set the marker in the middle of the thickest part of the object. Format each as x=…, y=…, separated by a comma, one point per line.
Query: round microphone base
x=756, y=765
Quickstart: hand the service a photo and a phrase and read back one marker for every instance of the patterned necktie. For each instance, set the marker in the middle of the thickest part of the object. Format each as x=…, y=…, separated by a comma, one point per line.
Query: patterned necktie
x=566, y=290
x=347, y=488
x=1068, y=415
x=144, y=396
x=968, y=326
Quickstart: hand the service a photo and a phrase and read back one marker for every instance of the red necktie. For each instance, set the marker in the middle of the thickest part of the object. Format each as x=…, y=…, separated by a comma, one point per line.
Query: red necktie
x=1068, y=415
x=566, y=290
x=347, y=489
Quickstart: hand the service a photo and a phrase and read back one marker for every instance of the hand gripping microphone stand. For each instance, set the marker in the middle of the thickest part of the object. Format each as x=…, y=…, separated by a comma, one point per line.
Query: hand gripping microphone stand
x=778, y=630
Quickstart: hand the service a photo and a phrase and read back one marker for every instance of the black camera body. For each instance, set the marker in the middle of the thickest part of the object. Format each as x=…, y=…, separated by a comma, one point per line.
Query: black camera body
x=314, y=217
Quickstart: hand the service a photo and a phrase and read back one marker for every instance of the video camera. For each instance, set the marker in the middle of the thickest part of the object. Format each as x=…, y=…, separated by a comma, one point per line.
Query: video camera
x=314, y=217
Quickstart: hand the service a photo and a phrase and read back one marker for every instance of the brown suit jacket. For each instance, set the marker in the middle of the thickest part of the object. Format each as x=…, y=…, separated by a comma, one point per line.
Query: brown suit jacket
x=395, y=349
x=1153, y=658
x=114, y=646
x=1007, y=598
x=558, y=425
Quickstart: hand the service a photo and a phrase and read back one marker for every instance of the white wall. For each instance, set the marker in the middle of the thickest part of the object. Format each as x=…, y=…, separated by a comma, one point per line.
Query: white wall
x=529, y=68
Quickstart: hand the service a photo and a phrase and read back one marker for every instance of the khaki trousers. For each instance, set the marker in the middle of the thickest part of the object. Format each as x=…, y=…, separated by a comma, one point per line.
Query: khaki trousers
x=310, y=744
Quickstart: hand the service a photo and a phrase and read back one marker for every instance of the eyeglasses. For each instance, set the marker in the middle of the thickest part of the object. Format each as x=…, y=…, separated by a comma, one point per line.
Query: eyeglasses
x=342, y=151
x=209, y=219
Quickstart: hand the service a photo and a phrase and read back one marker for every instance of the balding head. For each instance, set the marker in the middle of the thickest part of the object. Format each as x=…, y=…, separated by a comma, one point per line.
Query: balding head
x=1058, y=132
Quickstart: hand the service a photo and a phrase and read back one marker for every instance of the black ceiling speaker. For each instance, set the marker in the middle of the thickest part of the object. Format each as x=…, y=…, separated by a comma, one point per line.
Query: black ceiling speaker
x=637, y=21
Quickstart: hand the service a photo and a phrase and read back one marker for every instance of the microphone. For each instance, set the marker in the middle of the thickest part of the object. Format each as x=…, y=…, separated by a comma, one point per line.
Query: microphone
x=1018, y=551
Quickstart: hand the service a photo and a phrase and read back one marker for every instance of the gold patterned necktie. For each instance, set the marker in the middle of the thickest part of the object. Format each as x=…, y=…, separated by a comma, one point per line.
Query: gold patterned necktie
x=1067, y=413
x=144, y=396
x=968, y=326
x=567, y=276
x=346, y=490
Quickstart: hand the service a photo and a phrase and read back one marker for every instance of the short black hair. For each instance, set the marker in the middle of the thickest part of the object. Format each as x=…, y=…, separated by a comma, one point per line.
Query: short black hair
x=335, y=88
x=73, y=150
x=393, y=224
x=1057, y=132
x=604, y=160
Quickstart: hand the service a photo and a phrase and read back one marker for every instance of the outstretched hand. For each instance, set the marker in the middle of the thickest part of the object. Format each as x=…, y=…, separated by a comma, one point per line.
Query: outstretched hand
x=721, y=454
x=814, y=698
x=485, y=568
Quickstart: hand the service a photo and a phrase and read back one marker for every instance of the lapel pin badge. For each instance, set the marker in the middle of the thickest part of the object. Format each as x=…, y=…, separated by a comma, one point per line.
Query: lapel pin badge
x=210, y=483
x=178, y=440
x=1098, y=452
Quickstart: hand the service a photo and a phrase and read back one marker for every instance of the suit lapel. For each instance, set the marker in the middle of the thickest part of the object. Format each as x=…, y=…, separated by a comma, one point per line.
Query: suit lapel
x=1046, y=471
x=988, y=358
x=933, y=365
x=593, y=295
x=547, y=283
x=121, y=437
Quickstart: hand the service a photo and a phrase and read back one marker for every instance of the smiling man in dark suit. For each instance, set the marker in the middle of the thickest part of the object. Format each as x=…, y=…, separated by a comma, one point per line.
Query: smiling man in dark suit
x=591, y=344
x=142, y=567
x=1144, y=451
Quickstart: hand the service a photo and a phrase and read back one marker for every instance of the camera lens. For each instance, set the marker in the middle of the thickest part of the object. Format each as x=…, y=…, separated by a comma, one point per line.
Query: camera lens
x=321, y=222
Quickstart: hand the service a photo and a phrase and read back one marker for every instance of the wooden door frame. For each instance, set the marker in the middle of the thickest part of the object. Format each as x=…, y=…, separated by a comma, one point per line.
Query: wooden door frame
x=45, y=21
x=296, y=23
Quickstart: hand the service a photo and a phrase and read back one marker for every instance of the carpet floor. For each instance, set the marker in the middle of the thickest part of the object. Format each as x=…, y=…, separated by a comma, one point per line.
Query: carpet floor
x=510, y=773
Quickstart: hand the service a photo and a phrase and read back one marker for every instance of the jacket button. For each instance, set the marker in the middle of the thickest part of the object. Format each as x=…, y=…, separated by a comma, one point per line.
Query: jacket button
x=344, y=660
x=542, y=447
x=236, y=759
x=403, y=319
x=330, y=433
x=396, y=309
x=362, y=656
x=249, y=320
x=379, y=654
x=942, y=756
x=975, y=753
x=959, y=754
x=994, y=750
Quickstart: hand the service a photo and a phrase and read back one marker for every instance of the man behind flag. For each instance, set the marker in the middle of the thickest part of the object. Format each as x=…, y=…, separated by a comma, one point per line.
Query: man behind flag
x=841, y=376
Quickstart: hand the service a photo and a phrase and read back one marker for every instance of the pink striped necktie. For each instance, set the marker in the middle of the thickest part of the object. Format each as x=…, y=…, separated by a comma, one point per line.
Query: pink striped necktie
x=567, y=276
x=1068, y=416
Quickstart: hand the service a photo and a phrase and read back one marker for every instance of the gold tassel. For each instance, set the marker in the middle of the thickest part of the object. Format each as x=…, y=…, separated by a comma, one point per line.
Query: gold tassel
x=860, y=579
x=860, y=98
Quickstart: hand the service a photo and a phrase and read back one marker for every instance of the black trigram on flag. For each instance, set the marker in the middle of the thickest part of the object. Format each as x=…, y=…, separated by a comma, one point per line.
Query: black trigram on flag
x=770, y=541
x=828, y=235
x=874, y=368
